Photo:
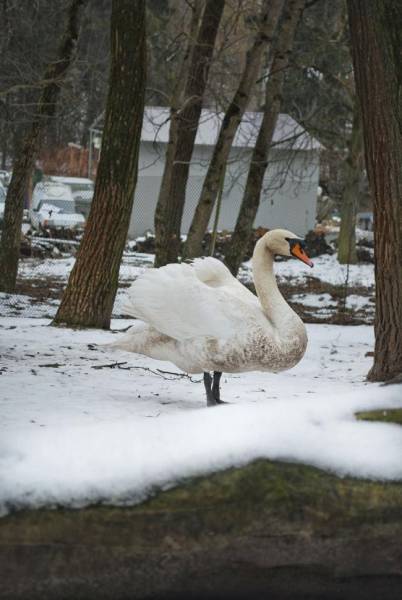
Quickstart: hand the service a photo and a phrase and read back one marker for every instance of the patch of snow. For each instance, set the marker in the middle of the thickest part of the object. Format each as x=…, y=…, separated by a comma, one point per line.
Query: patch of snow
x=133, y=264
x=21, y=305
x=30, y=307
x=33, y=268
x=356, y=302
x=141, y=257
x=326, y=268
x=316, y=300
x=72, y=434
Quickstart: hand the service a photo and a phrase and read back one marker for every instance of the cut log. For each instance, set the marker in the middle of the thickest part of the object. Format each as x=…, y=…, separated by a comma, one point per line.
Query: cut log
x=266, y=530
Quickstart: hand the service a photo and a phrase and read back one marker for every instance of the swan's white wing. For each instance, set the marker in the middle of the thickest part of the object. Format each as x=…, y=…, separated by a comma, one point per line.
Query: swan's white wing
x=214, y=273
x=177, y=303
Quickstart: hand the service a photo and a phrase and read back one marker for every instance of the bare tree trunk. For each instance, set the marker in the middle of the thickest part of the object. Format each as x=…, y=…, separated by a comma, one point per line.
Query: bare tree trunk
x=270, y=14
x=4, y=140
x=54, y=77
x=91, y=289
x=352, y=169
x=259, y=160
x=183, y=130
x=4, y=103
x=376, y=39
x=177, y=102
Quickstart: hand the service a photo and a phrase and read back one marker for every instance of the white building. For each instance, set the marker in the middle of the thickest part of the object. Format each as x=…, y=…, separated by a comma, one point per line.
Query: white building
x=290, y=186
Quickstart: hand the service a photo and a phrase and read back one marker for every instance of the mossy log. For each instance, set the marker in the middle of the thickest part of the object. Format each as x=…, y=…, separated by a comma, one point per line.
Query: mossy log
x=267, y=530
x=389, y=415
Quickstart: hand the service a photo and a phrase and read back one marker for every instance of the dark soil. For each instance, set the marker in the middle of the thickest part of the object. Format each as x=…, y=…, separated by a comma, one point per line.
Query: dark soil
x=41, y=289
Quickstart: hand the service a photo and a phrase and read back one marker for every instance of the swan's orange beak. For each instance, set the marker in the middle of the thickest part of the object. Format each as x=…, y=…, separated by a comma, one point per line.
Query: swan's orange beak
x=298, y=252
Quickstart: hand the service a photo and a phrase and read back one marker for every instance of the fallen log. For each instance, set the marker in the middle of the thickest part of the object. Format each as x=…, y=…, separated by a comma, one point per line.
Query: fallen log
x=267, y=530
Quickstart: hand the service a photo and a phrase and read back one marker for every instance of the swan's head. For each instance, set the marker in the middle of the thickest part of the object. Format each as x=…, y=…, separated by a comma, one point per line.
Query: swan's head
x=286, y=243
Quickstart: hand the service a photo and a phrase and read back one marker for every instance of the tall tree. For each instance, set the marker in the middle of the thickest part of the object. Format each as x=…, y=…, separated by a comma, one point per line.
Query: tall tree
x=376, y=40
x=350, y=196
x=185, y=114
x=319, y=90
x=270, y=13
x=259, y=160
x=53, y=79
x=91, y=289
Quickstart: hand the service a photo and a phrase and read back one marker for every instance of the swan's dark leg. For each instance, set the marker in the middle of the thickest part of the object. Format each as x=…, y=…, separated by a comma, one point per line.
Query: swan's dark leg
x=216, y=387
x=208, y=388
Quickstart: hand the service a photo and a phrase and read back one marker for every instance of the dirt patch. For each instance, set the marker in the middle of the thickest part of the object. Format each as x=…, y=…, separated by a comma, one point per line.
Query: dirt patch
x=41, y=288
x=333, y=312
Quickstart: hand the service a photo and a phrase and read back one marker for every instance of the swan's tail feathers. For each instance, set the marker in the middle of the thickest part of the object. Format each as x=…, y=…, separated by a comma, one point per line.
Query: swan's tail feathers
x=129, y=308
x=132, y=340
x=124, y=343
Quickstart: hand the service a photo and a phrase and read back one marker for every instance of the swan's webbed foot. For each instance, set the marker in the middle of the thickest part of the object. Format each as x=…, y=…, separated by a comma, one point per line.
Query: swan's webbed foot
x=212, y=388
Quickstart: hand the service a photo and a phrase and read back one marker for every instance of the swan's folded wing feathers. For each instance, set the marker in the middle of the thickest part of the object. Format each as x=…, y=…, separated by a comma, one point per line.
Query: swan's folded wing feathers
x=211, y=271
x=215, y=274
x=177, y=303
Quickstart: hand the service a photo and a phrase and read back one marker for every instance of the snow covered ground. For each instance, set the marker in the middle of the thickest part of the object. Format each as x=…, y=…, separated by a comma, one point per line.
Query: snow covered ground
x=76, y=431
x=319, y=292
x=133, y=265
x=326, y=268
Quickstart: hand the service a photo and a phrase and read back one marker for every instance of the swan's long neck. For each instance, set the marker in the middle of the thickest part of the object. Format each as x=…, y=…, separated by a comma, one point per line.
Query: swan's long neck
x=275, y=307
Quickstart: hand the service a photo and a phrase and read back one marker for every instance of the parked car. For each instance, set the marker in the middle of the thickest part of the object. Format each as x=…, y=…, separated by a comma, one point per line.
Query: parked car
x=82, y=190
x=365, y=221
x=53, y=206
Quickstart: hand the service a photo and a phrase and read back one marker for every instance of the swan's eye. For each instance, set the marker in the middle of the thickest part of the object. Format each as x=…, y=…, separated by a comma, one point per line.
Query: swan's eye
x=297, y=250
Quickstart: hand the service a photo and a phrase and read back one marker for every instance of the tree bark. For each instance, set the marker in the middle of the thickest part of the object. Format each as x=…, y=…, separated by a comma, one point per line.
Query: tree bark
x=91, y=289
x=376, y=40
x=54, y=77
x=183, y=130
x=352, y=167
x=267, y=530
x=270, y=14
x=259, y=160
x=177, y=103
x=4, y=137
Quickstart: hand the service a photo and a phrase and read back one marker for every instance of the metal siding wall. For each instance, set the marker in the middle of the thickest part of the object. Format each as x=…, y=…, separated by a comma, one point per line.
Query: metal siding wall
x=292, y=206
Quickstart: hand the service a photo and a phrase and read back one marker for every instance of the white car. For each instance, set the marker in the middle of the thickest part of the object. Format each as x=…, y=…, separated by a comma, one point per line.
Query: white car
x=53, y=206
x=82, y=190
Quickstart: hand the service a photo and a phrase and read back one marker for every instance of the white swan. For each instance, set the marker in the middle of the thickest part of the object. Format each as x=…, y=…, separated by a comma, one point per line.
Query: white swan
x=201, y=318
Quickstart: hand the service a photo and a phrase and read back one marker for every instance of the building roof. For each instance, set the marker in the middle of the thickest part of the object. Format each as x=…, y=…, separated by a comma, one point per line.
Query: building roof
x=288, y=133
